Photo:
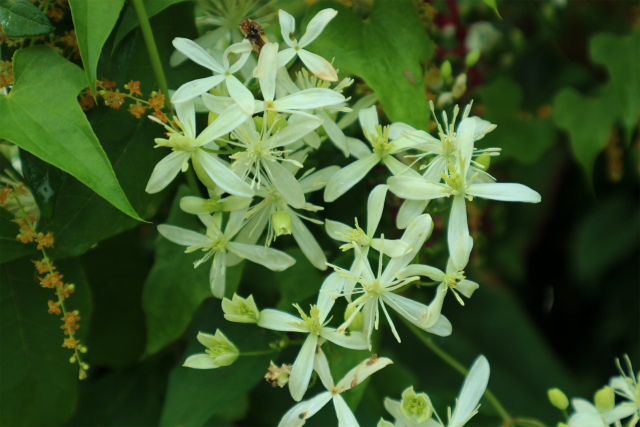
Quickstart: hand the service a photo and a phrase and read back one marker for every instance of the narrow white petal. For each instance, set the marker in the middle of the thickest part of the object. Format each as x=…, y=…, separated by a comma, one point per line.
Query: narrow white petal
x=182, y=236
x=308, y=243
x=472, y=390
x=241, y=94
x=397, y=130
x=464, y=142
x=415, y=235
x=584, y=406
x=335, y=227
x=414, y=311
x=361, y=372
x=273, y=259
x=344, y=413
x=222, y=175
x=409, y=210
x=187, y=115
x=195, y=88
x=396, y=167
x=347, y=177
x=321, y=366
x=267, y=69
x=218, y=274
x=415, y=188
x=283, y=58
x=208, y=39
x=507, y=192
x=329, y=291
x=435, y=169
x=354, y=340
x=375, y=206
x=297, y=416
x=294, y=132
x=302, y=368
x=287, y=26
x=392, y=248
x=432, y=273
x=467, y=288
x=357, y=148
x=277, y=320
x=369, y=120
x=165, y=171
x=318, y=180
x=217, y=104
x=309, y=99
x=318, y=66
x=231, y=118
x=334, y=133
x=316, y=25
x=442, y=327
x=287, y=185
x=197, y=54
x=458, y=237
x=201, y=361
x=619, y=412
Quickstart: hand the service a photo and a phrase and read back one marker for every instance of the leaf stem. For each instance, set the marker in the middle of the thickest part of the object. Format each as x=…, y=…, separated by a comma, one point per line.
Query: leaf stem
x=152, y=50
x=257, y=353
x=449, y=360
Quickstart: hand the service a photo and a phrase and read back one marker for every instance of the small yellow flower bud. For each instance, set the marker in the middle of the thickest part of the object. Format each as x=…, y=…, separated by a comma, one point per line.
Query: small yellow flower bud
x=102, y=92
x=281, y=223
x=472, y=57
x=605, y=399
x=357, y=323
x=558, y=398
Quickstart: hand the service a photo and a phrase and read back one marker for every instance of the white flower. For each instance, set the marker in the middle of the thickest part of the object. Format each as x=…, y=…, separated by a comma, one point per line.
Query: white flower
x=220, y=352
x=315, y=325
x=297, y=416
x=200, y=206
x=626, y=385
x=241, y=310
x=460, y=185
x=383, y=150
x=217, y=244
x=377, y=290
x=185, y=145
x=588, y=415
x=194, y=88
x=466, y=404
x=316, y=64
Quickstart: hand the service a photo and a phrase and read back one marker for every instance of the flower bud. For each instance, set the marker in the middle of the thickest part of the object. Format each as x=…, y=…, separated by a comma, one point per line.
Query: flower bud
x=357, y=323
x=459, y=86
x=384, y=423
x=240, y=310
x=281, y=223
x=445, y=70
x=416, y=407
x=212, y=117
x=558, y=398
x=472, y=57
x=198, y=205
x=484, y=160
x=220, y=352
x=604, y=399
x=278, y=377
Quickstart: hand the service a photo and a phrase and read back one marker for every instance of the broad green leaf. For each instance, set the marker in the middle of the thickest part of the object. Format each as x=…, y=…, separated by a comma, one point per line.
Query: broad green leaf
x=194, y=395
x=41, y=115
x=525, y=139
x=175, y=289
x=621, y=56
x=493, y=5
x=130, y=19
x=44, y=181
x=38, y=383
x=11, y=248
x=93, y=22
x=21, y=18
x=588, y=120
x=386, y=50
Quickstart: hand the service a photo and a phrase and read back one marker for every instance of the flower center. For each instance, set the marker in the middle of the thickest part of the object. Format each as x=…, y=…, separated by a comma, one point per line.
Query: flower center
x=453, y=279
x=380, y=140
x=312, y=322
x=354, y=235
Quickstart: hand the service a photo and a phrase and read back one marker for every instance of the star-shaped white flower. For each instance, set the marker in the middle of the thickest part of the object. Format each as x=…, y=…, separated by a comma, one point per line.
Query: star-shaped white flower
x=315, y=325
x=297, y=416
x=225, y=72
x=459, y=184
x=220, y=352
x=315, y=63
x=217, y=244
x=185, y=146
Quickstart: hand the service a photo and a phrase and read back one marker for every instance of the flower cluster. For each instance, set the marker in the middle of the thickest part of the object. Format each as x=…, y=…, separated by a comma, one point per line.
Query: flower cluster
x=251, y=157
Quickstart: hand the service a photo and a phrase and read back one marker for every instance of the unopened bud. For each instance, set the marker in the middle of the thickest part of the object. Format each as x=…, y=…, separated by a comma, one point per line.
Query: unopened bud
x=604, y=399
x=558, y=398
x=220, y=352
x=357, y=323
x=416, y=407
x=281, y=223
x=484, y=160
x=445, y=70
x=240, y=310
x=472, y=57
x=278, y=377
x=212, y=117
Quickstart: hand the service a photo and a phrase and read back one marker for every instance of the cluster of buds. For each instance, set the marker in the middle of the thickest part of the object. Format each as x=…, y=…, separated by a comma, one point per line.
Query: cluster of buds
x=115, y=99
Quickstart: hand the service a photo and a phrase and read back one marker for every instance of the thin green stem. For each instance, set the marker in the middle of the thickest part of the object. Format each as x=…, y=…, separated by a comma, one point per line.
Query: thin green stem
x=449, y=360
x=257, y=353
x=152, y=50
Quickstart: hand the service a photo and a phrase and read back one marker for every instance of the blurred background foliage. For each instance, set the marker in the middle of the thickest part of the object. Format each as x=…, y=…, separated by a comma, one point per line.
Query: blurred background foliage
x=559, y=281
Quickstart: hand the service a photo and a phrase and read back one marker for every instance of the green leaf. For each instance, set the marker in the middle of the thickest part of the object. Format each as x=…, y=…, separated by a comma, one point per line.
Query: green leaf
x=93, y=22
x=38, y=383
x=290, y=284
x=493, y=5
x=11, y=248
x=621, y=56
x=130, y=18
x=44, y=181
x=525, y=139
x=21, y=18
x=588, y=120
x=41, y=115
x=174, y=282
x=194, y=395
x=386, y=50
